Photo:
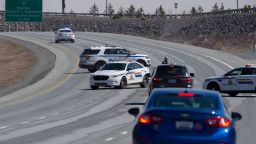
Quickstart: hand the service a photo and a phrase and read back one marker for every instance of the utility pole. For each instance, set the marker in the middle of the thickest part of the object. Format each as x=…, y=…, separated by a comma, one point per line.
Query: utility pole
x=237, y=6
x=106, y=8
x=63, y=6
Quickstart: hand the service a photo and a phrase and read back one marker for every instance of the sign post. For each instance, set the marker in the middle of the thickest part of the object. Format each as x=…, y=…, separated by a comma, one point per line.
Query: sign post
x=23, y=10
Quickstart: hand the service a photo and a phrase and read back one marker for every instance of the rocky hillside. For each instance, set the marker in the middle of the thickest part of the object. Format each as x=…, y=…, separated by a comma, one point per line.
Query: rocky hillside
x=222, y=32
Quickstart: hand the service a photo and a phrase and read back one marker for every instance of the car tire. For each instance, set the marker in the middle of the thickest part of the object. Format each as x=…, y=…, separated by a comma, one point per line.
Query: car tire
x=213, y=86
x=94, y=87
x=91, y=70
x=73, y=41
x=123, y=83
x=142, y=62
x=56, y=41
x=98, y=65
x=144, y=83
x=233, y=93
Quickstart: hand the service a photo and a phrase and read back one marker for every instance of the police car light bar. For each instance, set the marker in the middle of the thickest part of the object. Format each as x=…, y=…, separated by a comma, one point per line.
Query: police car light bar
x=249, y=65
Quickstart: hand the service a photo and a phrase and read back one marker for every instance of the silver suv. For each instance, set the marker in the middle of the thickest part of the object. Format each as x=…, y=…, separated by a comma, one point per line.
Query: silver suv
x=95, y=57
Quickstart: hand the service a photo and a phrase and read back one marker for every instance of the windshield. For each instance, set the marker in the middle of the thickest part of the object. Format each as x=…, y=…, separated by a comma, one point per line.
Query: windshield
x=114, y=66
x=170, y=71
x=67, y=31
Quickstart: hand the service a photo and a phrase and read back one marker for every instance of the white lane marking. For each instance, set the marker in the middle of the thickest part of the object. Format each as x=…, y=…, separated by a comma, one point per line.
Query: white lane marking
x=125, y=132
x=40, y=118
x=3, y=127
x=25, y=122
x=229, y=66
x=55, y=114
x=109, y=139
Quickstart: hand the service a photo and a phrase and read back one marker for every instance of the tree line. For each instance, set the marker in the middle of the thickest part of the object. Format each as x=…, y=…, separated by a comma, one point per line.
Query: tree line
x=131, y=11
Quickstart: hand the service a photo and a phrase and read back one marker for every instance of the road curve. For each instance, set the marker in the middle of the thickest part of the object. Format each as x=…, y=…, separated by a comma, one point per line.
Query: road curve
x=62, y=109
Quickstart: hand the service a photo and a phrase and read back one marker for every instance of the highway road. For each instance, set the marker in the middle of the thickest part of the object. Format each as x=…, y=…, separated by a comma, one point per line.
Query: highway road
x=61, y=108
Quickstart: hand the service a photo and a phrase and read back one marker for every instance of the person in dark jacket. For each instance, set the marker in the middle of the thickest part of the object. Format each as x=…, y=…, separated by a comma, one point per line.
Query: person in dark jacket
x=165, y=61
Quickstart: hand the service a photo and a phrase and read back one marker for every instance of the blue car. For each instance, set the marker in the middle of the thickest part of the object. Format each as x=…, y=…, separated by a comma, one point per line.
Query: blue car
x=184, y=116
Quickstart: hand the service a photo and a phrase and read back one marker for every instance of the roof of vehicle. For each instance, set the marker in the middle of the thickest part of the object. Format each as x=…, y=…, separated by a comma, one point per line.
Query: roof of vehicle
x=104, y=47
x=185, y=90
x=64, y=29
x=171, y=64
x=122, y=61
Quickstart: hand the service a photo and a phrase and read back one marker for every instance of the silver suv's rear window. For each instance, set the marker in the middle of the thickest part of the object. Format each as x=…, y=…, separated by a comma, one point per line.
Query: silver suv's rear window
x=65, y=31
x=90, y=51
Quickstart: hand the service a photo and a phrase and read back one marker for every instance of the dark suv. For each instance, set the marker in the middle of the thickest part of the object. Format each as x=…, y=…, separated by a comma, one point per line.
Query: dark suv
x=171, y=75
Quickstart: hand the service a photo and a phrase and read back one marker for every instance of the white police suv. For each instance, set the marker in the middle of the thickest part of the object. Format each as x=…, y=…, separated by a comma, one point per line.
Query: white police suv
x=238, y=80
x=95, y=57
x=64, y=34
x=120, y=74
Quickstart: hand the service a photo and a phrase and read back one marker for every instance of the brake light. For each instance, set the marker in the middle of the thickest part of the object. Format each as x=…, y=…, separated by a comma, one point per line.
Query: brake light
x=187, y=80
x=185, y=94
x=219, y=122
x=149, y=118
x=156, y=80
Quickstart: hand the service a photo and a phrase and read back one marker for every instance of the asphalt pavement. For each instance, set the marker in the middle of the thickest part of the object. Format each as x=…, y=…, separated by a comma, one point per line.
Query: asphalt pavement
x=62, y=109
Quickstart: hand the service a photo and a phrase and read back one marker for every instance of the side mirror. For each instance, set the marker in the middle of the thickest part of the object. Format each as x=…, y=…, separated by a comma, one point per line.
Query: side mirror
x=236, y=116
x=134, y=111
x=192, y=74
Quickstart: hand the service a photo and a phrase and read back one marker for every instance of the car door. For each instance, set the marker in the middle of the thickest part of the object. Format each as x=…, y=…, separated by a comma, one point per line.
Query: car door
x=122, y=54
x=130, y=75
x=229, y=82
x=111, y=55
x=138, y=72
x=246, y=81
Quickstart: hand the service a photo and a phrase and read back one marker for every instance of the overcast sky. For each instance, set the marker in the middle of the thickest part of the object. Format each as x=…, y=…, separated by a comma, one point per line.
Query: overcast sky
x=149, y=6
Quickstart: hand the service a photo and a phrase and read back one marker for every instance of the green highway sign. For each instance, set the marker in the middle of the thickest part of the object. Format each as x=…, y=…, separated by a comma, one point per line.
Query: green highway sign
x=23, y=10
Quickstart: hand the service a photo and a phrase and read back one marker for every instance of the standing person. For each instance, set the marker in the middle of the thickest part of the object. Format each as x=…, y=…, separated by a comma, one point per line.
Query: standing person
x=165, y=61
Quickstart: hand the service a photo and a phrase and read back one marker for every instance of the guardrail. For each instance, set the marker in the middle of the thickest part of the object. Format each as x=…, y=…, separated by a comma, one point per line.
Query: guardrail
x=230, y=11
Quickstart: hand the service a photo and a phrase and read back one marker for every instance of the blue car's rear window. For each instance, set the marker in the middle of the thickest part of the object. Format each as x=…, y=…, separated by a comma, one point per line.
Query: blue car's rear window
x=194, y=102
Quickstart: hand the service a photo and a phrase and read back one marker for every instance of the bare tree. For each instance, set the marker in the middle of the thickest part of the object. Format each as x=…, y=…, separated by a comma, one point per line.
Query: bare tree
x=222, y=8
x=111, y=10
x=120, y=12
x=94, y=9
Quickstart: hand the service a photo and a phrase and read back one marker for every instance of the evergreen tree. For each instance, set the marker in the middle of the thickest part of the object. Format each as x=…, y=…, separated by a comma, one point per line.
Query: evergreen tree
x=222, y=8
x=193, y=11
x=111, y=10
x=130, y=11
x=94, y=9
x=200, y=9
x=139, y=12
x=215, y=8
x=160, y=12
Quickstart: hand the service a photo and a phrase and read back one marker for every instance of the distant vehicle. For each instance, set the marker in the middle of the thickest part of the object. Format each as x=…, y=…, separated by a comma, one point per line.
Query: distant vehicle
x=184, y=116
x=64, y=34
x=171, y=75
x=238, y=80
x=95, y=57
x=119, y=75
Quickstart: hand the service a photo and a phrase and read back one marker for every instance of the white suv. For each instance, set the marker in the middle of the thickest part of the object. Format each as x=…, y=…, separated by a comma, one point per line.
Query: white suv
x=120, y=74
x=64, y=34
x=95, y=57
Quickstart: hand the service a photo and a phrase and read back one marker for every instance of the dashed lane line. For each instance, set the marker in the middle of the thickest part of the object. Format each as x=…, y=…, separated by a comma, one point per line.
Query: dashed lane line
x=109, y=139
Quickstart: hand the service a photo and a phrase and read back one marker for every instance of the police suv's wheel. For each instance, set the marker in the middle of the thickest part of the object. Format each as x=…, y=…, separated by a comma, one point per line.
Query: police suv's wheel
x=233, y=93
x=56, y=41
x=94, y=87
x=73, y=41
x=144, y=82
x=123, y=83
x=99, y=64
x=213, y=86
x=91, y=70
x=142, y=62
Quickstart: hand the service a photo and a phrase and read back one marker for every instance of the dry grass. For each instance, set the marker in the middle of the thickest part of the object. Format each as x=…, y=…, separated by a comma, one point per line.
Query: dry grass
x=15, y=62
